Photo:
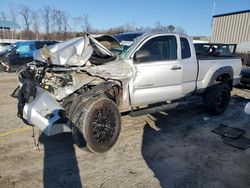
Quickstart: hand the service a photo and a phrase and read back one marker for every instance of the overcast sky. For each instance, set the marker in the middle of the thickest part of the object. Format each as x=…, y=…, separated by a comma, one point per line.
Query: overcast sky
x=194, y=16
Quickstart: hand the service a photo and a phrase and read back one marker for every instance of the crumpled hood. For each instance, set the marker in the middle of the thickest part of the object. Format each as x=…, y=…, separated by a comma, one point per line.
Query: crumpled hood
x=73, y=52
x=118, y=69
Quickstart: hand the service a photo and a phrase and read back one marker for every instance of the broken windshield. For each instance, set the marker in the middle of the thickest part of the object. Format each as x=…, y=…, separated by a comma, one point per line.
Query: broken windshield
x=127, y=49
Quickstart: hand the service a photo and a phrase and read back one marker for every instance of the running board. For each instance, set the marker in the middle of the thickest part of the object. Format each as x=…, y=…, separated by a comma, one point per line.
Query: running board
x=160, y=108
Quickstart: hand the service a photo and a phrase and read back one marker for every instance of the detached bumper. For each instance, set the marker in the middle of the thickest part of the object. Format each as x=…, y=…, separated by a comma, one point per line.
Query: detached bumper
x=46, y=113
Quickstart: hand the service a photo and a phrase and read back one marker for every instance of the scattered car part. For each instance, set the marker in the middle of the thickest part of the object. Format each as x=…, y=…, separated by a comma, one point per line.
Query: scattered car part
x=229, y=132
x=233, y=136
x=241, y=143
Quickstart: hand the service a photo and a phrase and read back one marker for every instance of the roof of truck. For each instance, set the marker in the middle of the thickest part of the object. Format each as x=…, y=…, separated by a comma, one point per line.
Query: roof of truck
x=149, y=34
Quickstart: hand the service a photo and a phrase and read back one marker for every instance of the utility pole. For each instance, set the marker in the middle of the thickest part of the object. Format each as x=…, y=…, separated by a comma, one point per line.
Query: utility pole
x=213, y=8
x=213, y=11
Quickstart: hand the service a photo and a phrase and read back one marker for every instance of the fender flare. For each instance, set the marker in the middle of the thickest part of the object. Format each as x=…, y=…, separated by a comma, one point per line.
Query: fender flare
x=103, y=88
x=221, y=71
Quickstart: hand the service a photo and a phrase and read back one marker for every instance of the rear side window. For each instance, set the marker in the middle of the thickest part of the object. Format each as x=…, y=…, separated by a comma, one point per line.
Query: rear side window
x=185, y=49
x=161, y=48
x=25, y=48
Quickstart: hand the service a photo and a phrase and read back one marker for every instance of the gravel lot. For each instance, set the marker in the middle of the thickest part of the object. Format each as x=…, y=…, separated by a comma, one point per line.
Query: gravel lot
x=183, y=153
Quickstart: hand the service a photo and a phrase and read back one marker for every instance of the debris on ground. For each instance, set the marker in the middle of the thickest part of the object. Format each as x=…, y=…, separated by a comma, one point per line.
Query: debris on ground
x=233, y=136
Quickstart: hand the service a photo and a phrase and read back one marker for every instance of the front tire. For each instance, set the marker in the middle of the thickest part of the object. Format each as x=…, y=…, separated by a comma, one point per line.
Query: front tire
x=100, y=124
x=217, y=98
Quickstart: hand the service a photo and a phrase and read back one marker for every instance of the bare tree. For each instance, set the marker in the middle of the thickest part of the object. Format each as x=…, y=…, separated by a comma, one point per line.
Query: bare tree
x=130, y=26
x=180, y=30
x=159, y=27
x=65, y=22
x=60, y=23
x=36, y=25
x=46, y=12
x=12, y=12
x=3, y=15
x=13, y=17
x=56, y=17
x=76, y=23
x=86, y=24
x=26, y=13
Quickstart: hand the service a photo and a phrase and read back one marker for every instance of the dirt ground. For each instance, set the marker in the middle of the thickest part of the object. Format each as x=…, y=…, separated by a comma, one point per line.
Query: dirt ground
x=183, y=153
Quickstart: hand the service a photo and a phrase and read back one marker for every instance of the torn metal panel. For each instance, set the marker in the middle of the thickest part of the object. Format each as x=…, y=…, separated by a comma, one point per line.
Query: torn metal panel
x=75, y=51
x=113, y=70
x=108, y=41
x=103, y=50
x=118, y=70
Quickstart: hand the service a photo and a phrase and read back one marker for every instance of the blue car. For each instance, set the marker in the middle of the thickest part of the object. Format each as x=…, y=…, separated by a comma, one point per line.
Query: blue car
x=21, y=53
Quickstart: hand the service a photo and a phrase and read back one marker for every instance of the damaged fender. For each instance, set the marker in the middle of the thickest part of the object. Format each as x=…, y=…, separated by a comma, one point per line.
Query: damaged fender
x=46, y=113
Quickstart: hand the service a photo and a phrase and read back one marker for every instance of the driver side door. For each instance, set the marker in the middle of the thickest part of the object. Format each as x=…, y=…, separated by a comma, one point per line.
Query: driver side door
x=158, y=77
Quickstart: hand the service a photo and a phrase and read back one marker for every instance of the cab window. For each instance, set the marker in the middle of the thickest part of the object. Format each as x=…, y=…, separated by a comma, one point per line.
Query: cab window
x=185, y=48
x=26, y=48
x=161, y=48
x=23, y=49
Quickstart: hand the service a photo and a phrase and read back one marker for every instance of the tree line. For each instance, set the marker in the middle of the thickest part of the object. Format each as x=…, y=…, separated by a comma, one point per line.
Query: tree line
x=50, y=23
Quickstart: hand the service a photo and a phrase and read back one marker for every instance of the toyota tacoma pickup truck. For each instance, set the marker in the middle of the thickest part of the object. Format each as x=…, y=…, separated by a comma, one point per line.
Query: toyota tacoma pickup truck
x=84, y=85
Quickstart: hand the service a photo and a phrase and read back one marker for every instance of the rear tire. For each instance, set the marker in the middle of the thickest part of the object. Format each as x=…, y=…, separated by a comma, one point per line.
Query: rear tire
x=217, y=99
x=99, y=123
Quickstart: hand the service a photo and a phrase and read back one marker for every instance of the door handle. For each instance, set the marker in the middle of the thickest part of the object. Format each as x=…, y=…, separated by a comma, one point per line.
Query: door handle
x=175, y=67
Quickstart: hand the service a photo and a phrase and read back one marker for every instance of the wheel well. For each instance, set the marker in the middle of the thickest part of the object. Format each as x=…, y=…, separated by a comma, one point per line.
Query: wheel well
x=105, y=89
x=113, y=93
x=225, y=78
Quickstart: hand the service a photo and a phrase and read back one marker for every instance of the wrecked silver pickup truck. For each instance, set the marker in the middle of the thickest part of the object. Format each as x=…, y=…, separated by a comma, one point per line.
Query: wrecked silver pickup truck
x=84, y=84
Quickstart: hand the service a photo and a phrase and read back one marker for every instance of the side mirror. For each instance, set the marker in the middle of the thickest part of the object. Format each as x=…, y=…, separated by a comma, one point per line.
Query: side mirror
x=141, y=55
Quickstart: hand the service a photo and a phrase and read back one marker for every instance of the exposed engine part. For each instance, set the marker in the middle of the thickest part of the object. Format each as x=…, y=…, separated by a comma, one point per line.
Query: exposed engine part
x=52, y=81
x=60, y=81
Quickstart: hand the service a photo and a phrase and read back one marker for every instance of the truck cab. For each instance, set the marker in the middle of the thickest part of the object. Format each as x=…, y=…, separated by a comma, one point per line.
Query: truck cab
x=165, y=66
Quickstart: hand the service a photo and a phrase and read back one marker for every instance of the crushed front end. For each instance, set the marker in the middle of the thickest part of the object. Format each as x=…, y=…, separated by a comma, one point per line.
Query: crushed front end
x=55, y=77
